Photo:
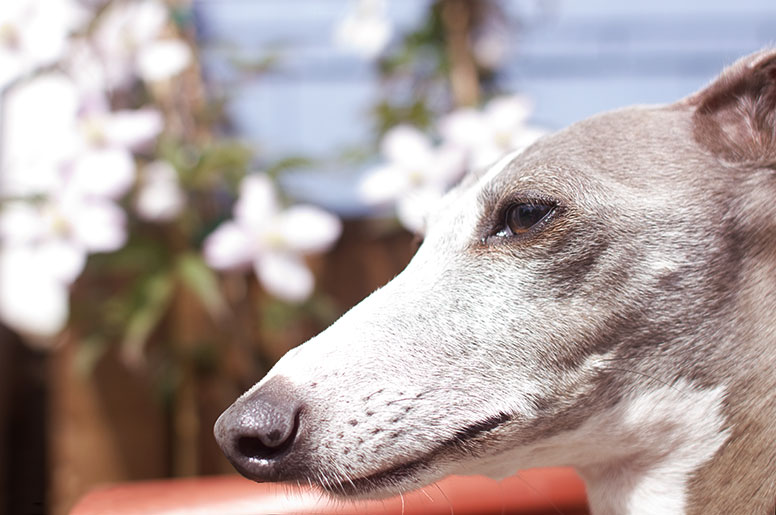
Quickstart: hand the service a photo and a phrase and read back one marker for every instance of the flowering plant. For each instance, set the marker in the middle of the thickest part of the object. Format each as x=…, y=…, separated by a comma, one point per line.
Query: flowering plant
x=133, y=229
x=106, y=151
x=430, y=138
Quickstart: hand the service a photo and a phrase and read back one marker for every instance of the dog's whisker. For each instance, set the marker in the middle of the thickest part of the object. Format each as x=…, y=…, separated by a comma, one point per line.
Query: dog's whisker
x=423, y=491
x=446, y=498
x=539, y=493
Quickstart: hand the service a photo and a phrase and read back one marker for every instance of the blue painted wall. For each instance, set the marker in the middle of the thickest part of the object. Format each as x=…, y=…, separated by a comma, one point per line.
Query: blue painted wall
x=575, y=58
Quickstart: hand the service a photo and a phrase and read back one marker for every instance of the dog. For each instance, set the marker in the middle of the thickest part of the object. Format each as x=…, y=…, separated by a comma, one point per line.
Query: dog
x=604, y=299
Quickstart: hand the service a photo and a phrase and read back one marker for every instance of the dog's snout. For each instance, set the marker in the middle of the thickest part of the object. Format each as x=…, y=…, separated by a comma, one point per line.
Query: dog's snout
x=259, y=429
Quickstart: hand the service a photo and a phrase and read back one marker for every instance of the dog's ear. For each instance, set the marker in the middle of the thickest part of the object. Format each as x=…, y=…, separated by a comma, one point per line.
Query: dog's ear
x=735, y=117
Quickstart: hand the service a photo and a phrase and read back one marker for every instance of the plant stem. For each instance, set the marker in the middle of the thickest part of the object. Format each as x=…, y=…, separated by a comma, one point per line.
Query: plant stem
x=457, y=17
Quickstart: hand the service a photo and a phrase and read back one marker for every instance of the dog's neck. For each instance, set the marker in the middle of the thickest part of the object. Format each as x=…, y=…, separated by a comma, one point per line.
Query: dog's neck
x=742, y=476
x=638, y=456
x=695, y=448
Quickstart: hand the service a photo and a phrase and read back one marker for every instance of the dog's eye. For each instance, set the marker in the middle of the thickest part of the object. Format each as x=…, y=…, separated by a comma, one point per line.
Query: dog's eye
x=520, y=218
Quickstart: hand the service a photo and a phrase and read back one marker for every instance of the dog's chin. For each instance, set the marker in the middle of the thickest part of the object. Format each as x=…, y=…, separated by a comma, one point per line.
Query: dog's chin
x=386, y=483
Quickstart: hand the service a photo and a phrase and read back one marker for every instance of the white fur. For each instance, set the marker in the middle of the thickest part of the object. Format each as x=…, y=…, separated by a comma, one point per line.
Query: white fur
x=639, y=456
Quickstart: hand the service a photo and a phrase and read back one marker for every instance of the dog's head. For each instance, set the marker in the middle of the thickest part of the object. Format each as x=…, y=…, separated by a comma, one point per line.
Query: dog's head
x=601, y=262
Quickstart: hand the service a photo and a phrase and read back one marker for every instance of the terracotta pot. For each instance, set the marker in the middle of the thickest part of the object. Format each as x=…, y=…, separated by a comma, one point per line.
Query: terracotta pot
x=537, y=491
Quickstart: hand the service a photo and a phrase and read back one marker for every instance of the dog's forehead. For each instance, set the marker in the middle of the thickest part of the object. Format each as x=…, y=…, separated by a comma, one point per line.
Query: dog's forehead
x=633, y=157
x=634, y=146
x=637, y=148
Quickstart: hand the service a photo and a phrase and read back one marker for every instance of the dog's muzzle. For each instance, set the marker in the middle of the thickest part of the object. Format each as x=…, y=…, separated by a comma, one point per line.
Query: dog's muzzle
x=258, y=432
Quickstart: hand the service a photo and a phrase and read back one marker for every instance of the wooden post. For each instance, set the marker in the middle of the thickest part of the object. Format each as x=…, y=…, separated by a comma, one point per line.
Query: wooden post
x=458, y=18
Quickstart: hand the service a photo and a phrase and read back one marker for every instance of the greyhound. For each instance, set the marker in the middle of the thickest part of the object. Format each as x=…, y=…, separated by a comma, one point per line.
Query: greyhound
x=604, y=299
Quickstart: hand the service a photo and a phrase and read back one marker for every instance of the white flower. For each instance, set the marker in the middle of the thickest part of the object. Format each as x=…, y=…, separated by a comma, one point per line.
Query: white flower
x=489, y=134
x=33, y=301
x=77, y=164
x=105, y=166
x=129, y=40
x=415, y=175
x=160, y=197
x=491, y=47
x=365, y=30
x=163, y=59
x=92, y=225
x=90, y=149
x=33, y=33
x=271, y=240
x=130, y=129
x=38, y=135
x=69, y=223
x=103, y=173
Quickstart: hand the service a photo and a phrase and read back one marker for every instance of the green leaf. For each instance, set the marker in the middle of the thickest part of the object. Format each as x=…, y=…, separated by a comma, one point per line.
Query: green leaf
x=156, y=294
x=88, y=354
x=288, y=163
x=202, y=281
x=278, y=315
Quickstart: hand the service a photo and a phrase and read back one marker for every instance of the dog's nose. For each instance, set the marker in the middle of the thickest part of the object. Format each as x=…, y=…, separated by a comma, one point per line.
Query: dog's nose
x=258, y=430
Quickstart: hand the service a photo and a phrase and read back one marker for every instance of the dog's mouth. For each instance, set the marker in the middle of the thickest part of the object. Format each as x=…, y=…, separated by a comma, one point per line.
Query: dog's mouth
x=410, y=473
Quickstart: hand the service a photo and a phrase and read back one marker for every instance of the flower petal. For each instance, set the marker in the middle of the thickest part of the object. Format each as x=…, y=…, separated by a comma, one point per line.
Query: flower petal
x=285, y=276
x=63, y=259
x=257, y=203
x=163, y=59
x=526, y=136
x=464, y=127
x=104, y=173
x=365, y=30
x=229, y=246
x=37, y=30
x=383, y=184
x=448, y=166
x=487, y=154
x=98, y=225
x=308, y=229
x=123, y=29
x=32, y=302
x=21, y=222
x=407, y=147
x=33, y=151
x=413, y=208
x=506, y=114
x=160, y=197
x=133, y=129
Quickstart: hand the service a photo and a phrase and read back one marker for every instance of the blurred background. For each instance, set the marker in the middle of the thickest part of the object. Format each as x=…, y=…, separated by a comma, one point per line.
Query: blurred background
x=189, y=188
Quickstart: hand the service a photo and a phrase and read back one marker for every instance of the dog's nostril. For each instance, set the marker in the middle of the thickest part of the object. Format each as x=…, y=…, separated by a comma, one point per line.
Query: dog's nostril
x=269, y=443
x=252, y=447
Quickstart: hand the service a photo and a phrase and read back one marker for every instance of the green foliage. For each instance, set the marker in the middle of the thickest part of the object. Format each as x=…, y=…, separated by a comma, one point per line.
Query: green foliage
x=199, y=279
x=421, y=52
x=127, y=298
x=89, y=352
x=414, y=77
x=279, y=316
x=288, y=163
x=203, y=167
x=389, y=115
x=151, y=299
